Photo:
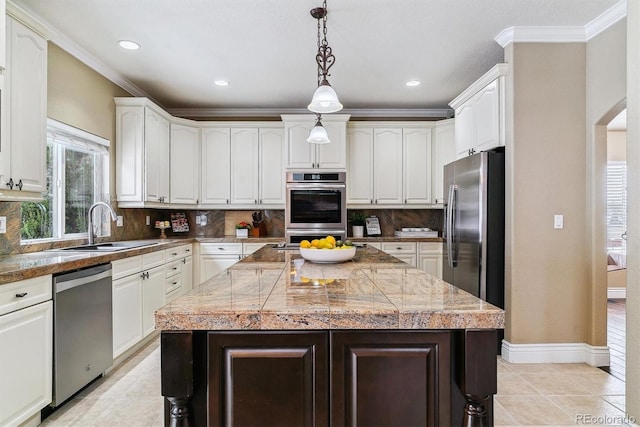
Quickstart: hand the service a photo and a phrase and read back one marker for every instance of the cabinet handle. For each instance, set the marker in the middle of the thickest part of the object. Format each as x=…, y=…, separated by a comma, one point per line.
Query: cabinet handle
x=187, y=250
x=227, y=201
x=255, y=202
x=174, y=254
x=221, y=249
x=184, y=261
x=174, y=268
x=21, y=295
x=19, y=185
x=260, y=201
x=239, y=256
x=174, y=283
x=142, y=275
x=10, y=184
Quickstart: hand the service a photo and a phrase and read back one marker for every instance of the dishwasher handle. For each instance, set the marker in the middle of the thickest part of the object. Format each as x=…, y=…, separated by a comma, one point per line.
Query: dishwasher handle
x=72, y=280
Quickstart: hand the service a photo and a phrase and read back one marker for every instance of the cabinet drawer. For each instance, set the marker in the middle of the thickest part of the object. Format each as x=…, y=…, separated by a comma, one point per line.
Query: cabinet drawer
x=172, y=268
x=399, y=247
x=249, y=248
x=221, y=248
x=126, y=267
x=430, y=247
x=177, y=252
x=171, y=296
x=152, y=259
x=376, y=245
x=172, y=283
x=33, y=291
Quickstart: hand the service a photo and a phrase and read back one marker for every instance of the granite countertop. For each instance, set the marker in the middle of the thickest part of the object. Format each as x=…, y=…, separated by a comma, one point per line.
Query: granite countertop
x=277, y=290
x=35, y=264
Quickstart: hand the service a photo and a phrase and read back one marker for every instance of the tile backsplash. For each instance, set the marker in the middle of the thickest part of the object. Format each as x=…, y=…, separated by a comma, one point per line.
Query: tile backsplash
x=204, y=223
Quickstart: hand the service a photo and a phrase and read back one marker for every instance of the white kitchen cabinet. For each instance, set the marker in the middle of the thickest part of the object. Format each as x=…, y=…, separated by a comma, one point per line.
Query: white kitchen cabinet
x=178, y=271
x=26, y=340
x=387, y=166
x=404, y=251
x=444, y=152
x=187, y=274
x=272, y=177
x=360, y=169
x=480, y=113
x=3, y=35
x=24, y=141
x=249, y=248
x=138, y=290
x=184, y=164
x=304, y=155
x=142, y=153
x=216, y=166
x=216, y=257
x=430, y=258
x=417, y=162
x=244, y=166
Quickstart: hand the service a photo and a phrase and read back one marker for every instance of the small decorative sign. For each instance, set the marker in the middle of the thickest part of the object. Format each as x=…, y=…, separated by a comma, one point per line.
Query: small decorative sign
x=179, y=223
x=373, y=226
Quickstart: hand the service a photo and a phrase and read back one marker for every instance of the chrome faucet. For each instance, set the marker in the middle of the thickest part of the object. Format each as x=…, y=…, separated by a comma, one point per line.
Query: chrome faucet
x=90, y=218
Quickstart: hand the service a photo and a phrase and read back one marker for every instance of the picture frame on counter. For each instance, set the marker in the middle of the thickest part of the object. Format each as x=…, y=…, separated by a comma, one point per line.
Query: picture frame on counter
x=373, y=226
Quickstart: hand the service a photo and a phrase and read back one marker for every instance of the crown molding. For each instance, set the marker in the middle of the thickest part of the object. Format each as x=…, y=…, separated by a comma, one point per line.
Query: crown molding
x=277, y=112
x=575, y=34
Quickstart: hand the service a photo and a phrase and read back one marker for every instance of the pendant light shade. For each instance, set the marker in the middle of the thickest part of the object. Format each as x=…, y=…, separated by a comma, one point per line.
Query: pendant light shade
x=318, y=134
x=325, y=100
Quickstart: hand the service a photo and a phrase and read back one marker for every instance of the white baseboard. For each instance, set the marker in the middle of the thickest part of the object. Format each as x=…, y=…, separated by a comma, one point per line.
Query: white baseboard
x=617, y=293
x=555, y=353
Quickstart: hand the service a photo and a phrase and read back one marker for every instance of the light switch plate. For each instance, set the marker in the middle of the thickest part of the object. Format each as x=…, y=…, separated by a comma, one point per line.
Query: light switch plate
x=198, y=219
x=120, y=221
x=3, y=224
x=148, y=220
x=558, y=222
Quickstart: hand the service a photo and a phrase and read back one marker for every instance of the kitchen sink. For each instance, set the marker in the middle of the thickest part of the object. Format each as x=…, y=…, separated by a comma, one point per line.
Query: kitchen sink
x=108, y=247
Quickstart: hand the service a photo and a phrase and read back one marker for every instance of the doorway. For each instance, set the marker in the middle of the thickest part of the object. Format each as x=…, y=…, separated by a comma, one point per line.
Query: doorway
x=616, y=224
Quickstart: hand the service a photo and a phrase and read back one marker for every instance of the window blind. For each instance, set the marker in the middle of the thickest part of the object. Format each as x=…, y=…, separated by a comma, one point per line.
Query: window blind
x=616, y=206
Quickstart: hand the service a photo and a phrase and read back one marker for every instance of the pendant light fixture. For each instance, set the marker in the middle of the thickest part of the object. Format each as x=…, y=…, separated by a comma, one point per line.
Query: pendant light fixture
x=318, y=134
x=325, y=99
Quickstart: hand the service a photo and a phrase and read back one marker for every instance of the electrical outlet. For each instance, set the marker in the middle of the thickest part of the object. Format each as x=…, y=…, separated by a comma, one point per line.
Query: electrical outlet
x=148, y=220
x=120, y=221
x=3, y=224
x=203, y=219
x=197, y=219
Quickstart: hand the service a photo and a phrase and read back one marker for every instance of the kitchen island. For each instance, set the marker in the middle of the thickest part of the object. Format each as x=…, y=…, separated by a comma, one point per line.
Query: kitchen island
x=276, y=340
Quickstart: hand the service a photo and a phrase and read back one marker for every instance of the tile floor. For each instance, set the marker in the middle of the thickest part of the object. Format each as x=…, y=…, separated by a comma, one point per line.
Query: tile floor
x=528, y=394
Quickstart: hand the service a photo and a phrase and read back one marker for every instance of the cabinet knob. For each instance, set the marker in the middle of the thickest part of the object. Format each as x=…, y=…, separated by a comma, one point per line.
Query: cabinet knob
x=10, y=184
x=19, y=185
x=255, y=201
x=227, y=201
x=184, y=261
x=174, y=254
x=174, y=283
x=221, y=249
x=21, y=294
x=174, y=268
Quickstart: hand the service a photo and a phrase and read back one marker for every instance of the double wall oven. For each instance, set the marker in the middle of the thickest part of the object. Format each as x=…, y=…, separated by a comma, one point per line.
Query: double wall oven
x=316, y=206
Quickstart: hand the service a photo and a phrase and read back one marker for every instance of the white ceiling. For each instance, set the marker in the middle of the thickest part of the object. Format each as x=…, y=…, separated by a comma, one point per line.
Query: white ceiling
x=266, y=48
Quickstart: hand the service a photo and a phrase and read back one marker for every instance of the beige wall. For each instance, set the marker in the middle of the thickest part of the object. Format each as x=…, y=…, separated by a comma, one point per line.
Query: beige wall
x=546, y=273
x=80, y=97
x=606, y=92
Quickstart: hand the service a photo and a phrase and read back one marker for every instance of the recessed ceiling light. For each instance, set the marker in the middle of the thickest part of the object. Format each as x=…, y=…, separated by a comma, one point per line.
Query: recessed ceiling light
x=412, y=83
x=221, y=83
x=128, y=44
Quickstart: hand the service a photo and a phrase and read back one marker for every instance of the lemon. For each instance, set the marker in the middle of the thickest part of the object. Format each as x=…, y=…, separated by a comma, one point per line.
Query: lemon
x=305, y=244
x=314, y=243
x=331, y=240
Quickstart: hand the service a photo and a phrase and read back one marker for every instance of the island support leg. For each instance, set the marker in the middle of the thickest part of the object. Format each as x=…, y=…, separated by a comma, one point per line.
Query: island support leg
x=177, y=375
x=479, y=382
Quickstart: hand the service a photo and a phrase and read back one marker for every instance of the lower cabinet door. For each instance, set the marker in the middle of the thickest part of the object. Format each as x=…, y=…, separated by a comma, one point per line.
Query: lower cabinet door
x=268, y=379
x=390, y=379
x=210, y=265
x=152, y=297
x=127, y=313
x=26, y=352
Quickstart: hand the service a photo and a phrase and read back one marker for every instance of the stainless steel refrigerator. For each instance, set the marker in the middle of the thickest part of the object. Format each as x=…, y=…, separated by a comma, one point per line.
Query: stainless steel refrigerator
x=474, y=225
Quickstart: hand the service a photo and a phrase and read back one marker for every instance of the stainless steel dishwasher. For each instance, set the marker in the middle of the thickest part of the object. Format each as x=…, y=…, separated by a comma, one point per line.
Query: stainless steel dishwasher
x=83, y=337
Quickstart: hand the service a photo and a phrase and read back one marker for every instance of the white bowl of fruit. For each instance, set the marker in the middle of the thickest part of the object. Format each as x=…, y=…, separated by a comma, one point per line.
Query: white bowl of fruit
x=327, y=250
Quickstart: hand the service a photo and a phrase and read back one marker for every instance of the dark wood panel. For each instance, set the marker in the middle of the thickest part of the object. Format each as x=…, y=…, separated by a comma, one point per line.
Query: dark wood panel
x=268, y=379
x=390, y=378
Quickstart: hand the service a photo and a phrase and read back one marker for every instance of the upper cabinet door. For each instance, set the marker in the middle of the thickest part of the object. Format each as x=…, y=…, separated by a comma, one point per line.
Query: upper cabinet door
x=465, y=131
x=184, y=164
x=487, y=117
x=416, y=144
x=360, y=166
x=387, y=160
x=300, y=153
x=129, y=152
x=333, y=154
x=27, y=109
x=272, y=176
x=216, y=165
x=156, y=155
x=444, y=152
x=244, y=166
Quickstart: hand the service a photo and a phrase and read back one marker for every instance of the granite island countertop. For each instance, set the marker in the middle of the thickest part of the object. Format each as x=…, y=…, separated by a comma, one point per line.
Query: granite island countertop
x=278, y=290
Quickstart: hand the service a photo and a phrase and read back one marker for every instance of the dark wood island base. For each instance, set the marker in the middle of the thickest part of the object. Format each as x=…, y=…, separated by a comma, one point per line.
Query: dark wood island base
x=437, y=377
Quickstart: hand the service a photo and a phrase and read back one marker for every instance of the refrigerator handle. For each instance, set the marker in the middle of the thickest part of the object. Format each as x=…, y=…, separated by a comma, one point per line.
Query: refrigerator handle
x=450, y=223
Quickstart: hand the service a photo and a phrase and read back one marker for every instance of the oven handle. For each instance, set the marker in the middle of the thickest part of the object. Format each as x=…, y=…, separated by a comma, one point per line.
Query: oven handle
x=318, y=186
